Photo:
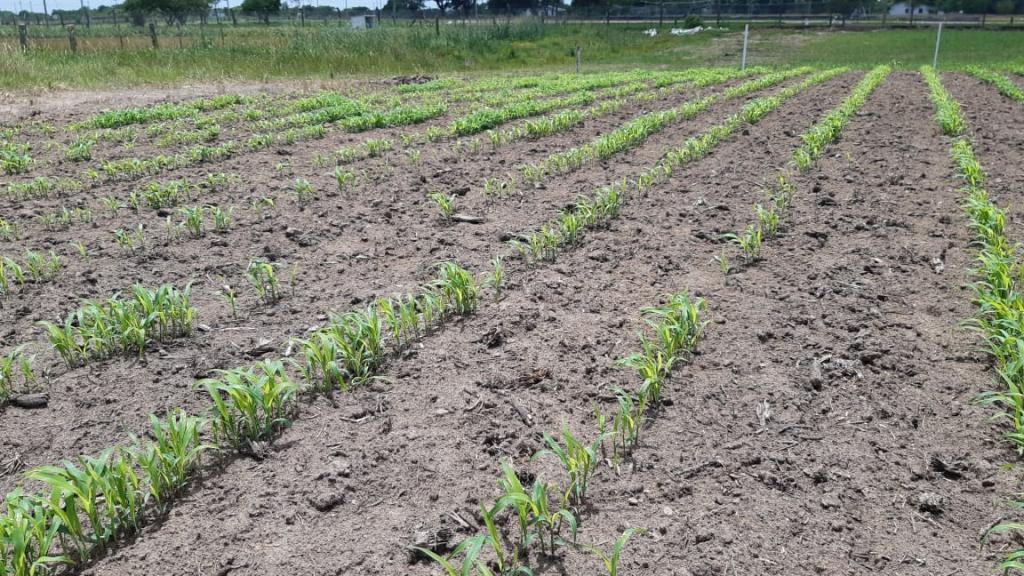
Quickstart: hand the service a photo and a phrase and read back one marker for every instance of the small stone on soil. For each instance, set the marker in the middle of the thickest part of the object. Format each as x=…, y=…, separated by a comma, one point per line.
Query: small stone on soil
x=931, y=502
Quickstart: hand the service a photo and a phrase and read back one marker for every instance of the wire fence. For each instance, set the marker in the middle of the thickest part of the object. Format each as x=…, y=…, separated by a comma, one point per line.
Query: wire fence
x=111, y=30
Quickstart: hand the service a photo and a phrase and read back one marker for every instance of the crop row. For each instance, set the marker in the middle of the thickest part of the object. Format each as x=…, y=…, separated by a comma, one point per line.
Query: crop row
x=562, y=121
x=489, y=118
x=34, y=268
x=16, y=373
x=246, y=406
x=814, y=142
x=353, y=116
x=566, y=230
x=638, y=130
x=312, y=117
x=122, y=325
x=14, y=157
x=124, y=117
x=91, y=502
x=997, y=292
x=304, y=111
x=356, y=115
x=547, y=515
x=1005, y=86
x=535, y=84
x=609, y=101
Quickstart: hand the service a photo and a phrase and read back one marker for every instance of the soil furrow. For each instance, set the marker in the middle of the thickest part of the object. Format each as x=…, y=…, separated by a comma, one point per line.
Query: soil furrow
x=448, y=414
x=112, y=397
x=352, y=232
x=997, y=126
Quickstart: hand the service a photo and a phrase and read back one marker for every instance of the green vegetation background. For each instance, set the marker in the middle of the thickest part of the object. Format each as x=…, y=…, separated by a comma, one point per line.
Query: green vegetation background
x=256, y=52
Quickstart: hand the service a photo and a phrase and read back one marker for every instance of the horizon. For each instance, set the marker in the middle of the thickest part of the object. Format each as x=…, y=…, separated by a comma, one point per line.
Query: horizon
x=36, y=6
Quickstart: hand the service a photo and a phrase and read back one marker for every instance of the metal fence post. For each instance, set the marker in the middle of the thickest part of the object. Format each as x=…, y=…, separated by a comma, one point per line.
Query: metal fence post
x=746, y=36
x=938, y=38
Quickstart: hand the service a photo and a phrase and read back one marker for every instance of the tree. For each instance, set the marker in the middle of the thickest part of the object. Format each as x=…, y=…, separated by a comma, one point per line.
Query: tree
x=262, y=7
x=515, y=6
x=172, y=10
x=1005, y=7
x=403, y=6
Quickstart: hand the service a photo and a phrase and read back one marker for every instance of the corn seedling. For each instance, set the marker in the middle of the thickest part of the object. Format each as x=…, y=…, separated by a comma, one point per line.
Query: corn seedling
x=193, y=220
x=445, y=203
x=81, y=249
x=375, y=148
x=8, y=230
x=41, y=268
x=497, y=278
x=627, y=423
x=88, y=503
x=767, y=220
x=611, y=560
x=263, y=278
x=577, y=459
x=347, y=154
x=320, y=160
x=1000, y=317
x=536, y=519
x=749, y=242
x=304, y=191
x=346, y=353
x=93, y=500
x=16, y=372
x=1003, y=84
x=112, y=204
x=829, y=128
x=173, y=455
x=494, y=186
x=122, y=326
x=11, y=273
x=80, y=150
x=458, y=287
x=14, y=158
x=947, y=110
x=262, y=206
x=228, y=293
x=251, y=405
x=221, y=218
x=349, y=351
x=782, y=195
x=345, y=178
x=131, y=241
x=723, y=263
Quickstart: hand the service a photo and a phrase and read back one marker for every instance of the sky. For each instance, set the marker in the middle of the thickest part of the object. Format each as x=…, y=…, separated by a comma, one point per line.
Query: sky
x=37, y=5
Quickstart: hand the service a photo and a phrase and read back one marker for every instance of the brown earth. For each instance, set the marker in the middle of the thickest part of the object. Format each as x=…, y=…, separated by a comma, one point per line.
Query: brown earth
x=997, y=126
x=872, y=460
x=382, y=239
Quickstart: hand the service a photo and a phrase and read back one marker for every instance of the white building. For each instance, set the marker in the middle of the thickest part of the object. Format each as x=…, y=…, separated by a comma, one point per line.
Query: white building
x=903, y=9
x=363, y=22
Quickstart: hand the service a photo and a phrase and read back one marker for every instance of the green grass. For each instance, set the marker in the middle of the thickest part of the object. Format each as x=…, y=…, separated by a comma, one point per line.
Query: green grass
x=903, y=48
x=258, y=53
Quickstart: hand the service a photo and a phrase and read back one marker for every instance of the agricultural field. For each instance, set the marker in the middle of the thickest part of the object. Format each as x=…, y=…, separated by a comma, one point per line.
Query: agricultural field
x=647, y=322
